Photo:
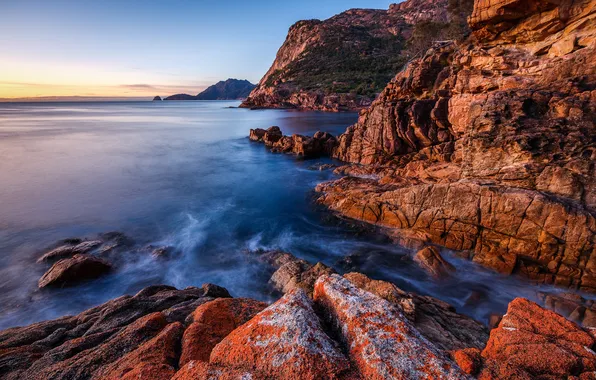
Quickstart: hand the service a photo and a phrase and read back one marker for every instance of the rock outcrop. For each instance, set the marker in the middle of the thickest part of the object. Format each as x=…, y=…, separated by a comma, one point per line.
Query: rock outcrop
x=488, y=147
x=343, y=62
x=532, y=343
x=320, y=144
x=67, y=272
x=353, y=327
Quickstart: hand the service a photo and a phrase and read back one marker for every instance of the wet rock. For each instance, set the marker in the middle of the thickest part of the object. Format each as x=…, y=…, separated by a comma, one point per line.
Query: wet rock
x=322, y=167
x=436, y=320
x=79, y=268
x=257, y=134
x=431, y=261
x=272, y=135
x=298, y=275
x=291, y=272
x=212, y=322
x=284, y=341
x=399, y=352
x=215, y=291
x=71, y=248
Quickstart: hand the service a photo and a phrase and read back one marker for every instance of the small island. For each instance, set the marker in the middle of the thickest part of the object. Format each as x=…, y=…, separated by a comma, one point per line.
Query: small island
x=157, y=99
x=231, y=89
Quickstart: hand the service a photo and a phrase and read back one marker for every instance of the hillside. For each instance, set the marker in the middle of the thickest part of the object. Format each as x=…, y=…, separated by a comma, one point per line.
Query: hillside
x=342, y=63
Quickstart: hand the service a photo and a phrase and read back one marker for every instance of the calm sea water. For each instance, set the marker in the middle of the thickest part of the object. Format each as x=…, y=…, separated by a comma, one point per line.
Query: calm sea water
x=182, y=174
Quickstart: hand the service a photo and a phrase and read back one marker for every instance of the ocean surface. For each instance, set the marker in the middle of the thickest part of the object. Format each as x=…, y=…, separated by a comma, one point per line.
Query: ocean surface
x=185, y=175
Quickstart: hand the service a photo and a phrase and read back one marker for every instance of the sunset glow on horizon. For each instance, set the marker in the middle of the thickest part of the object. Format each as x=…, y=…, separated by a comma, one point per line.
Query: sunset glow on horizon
x=143, y=48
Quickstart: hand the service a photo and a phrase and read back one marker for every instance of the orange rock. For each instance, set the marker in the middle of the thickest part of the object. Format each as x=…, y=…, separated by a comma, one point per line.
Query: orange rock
x=538, y=343
x=195, y=370
x=284, y=341
x=212, y=322
x=468, y=359
x=431, y=261
x=153, y=360
x=380, y=341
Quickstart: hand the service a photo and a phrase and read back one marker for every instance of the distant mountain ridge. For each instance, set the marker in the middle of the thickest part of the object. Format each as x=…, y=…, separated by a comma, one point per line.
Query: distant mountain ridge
x=230, y=89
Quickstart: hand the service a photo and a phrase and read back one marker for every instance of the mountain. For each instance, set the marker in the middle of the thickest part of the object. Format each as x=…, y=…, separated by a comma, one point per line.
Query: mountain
x=227, y=90
x=342, y=63
x=230, y=89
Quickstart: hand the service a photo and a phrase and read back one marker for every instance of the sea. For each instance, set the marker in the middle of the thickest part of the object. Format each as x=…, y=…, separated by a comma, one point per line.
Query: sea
x=186, y=176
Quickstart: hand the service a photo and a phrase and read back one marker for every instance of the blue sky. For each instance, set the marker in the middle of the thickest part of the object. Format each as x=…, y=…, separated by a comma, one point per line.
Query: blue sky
x=138, y=48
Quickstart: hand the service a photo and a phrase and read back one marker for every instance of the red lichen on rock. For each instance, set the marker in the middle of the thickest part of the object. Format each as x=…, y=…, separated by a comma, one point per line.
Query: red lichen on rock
x=284, y=341
x=212, y=322
x=381, y=342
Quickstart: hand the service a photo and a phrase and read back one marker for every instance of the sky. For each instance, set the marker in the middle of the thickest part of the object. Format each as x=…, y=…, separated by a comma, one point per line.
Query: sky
x=142, y=48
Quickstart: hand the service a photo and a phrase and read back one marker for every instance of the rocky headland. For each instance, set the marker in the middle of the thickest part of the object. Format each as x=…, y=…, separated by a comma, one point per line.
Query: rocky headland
x=343, y=62
x=230, y=89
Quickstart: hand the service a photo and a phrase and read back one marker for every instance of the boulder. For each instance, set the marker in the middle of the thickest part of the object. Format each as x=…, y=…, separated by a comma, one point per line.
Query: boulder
x=539, y=343
x=272, y=135
x=79, y=268
x=399, y=351
x=69, y=250
x=257, y=134
x=212, y=322
x=284, y=341
x=436, y=320
x=432, y=262
x=532, y=343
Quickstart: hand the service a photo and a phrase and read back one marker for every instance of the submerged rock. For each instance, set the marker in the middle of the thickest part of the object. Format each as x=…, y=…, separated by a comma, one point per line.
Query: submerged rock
x=431, y=261
x=70, y=249
x=68, y=272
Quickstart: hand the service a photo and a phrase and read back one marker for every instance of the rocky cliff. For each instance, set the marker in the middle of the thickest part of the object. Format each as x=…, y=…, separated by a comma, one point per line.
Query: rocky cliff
x=230, y=89
x=343, y=62
x=488, y=147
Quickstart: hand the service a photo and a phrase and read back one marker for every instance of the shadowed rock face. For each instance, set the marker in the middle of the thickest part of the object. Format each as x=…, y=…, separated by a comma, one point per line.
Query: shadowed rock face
x=342, y=62
x=488, y=147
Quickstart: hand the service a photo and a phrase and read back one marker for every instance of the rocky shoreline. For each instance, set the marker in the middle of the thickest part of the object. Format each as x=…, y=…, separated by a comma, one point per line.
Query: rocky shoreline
x=485, y=148
x=324, y=326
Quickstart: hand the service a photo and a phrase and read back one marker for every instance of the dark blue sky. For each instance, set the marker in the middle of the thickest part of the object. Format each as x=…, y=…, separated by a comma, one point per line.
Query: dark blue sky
x=137, y=48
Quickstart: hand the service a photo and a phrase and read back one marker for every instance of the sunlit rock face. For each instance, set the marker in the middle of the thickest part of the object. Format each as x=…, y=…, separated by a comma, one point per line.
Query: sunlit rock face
x=341, y=63
x=487, y=147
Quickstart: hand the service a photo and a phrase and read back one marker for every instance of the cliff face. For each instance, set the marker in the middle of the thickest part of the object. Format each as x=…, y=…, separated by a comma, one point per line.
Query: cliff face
x=489, y=147
x=342, y=62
